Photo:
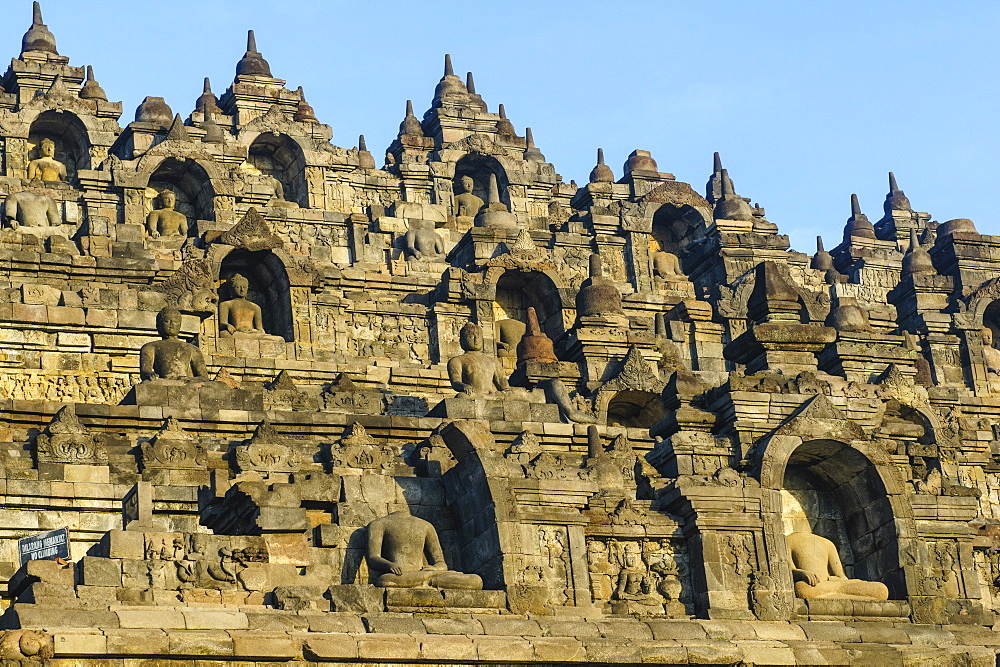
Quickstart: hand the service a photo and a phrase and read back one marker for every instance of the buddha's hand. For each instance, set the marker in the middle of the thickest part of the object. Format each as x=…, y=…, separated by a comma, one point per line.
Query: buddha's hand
x=807, y=577
x=395, y=569
x=230, y=328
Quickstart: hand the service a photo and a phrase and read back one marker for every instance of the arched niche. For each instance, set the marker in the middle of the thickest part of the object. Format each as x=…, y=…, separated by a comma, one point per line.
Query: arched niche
x=269, y=288
x=991, y=320
x=676, y=225
x=833, y=490
x=635, y=409
x=516, y=291
x=278, y=156
x=479, y=167
x=190, y=182
x=70, y=136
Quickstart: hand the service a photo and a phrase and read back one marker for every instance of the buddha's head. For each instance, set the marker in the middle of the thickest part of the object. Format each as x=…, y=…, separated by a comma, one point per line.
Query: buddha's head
x=168, y=323
x=471, y=337
x=987, y=335
x=240, y=285
x=467, y=184
x=47, y=147
x=168, y=199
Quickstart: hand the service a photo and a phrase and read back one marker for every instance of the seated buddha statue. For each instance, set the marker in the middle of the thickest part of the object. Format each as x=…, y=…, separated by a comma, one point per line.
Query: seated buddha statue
x=404, y=552
x=818, y=572
x=46, y=167
x=166, y=221
x=240, y=317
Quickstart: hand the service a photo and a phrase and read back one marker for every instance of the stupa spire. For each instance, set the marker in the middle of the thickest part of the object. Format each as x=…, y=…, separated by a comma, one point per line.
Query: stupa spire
x=38, y=37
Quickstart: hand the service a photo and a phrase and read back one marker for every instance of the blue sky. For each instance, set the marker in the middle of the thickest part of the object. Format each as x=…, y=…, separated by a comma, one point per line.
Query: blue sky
x=807, y=101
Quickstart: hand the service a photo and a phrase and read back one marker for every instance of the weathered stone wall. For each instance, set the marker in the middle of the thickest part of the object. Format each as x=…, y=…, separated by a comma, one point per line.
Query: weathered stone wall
x=621, y=477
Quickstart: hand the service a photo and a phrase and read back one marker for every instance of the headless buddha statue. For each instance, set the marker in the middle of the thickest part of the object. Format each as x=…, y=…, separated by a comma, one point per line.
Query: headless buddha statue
x=405, y=553
x=818, y=572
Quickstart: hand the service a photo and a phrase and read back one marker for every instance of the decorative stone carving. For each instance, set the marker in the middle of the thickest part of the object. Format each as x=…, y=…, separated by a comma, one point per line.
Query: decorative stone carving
x=522, y=255
x=66, y=440
x=266, y=452
x=172, y=448
x=250, y=233
x=404, y=552
x=166, y=221
x=818, y=572
x=474, y=372
x=26, y=646
x=358, y=450
x=192, y=287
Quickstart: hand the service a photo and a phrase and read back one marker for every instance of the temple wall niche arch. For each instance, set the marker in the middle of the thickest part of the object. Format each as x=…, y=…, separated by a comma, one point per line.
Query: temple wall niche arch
x=189, y=181
x=280, y=157
x=831, y=488
x=67, y=131
x=479, y=166
x=674, y=225
x=516, y=291
x=269, y=287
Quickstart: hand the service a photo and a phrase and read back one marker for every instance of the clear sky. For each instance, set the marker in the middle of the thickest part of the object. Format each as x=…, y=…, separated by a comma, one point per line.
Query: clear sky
x=807, y=101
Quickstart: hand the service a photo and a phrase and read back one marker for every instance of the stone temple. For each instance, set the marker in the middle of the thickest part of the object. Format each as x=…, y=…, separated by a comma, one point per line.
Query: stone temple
x=296, y=404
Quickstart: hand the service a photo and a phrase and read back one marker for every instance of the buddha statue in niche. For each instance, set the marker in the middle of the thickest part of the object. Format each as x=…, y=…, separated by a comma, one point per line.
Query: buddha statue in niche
x=474, y=372
x=278, y=199
x=665, y=264
x=240, y=317
x=404, y=551
x=510, y=332
x=991, y=355
x=47, y=167
x=171, y=358
x=818, y=572
x=166, y=221
x=467, y=205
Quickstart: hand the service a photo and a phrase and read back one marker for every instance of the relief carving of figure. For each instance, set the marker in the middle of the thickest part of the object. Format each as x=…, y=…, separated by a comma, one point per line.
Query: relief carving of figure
x=46, y=167
x=818, y=572
x=166, y=221
x=405, y=553
x=241, y=318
